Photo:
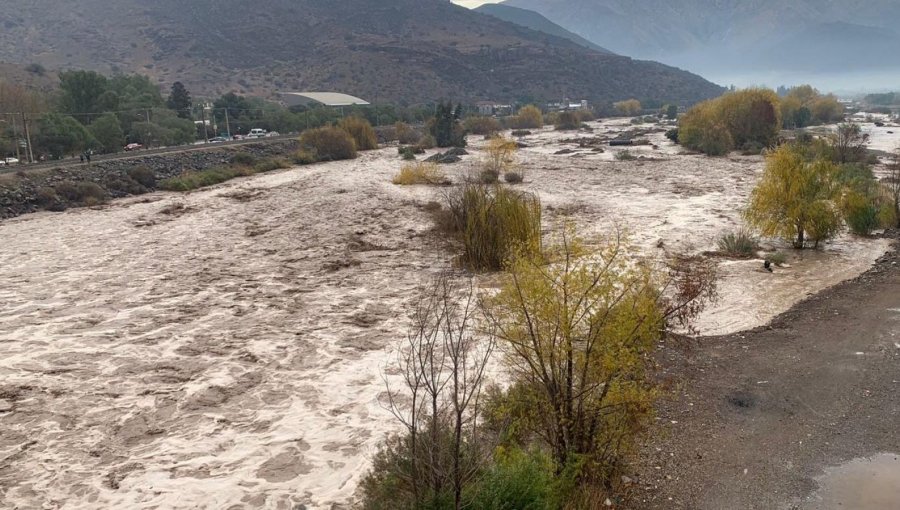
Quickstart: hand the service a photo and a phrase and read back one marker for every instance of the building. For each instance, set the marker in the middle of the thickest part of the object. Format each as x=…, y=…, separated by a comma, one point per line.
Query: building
x=333, y=99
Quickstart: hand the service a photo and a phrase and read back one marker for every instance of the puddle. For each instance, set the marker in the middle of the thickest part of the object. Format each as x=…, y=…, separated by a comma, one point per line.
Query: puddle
x=861, y=484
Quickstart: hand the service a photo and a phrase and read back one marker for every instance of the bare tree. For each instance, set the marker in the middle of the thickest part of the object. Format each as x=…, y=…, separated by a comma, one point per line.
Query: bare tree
x=849, y=143
x=442, y=367
x=892, y=182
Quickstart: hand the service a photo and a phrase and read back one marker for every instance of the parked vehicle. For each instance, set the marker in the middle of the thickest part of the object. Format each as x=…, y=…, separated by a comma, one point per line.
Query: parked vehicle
x=9, y=161
x=218, y=139
x=133, y=147
x=257, y=133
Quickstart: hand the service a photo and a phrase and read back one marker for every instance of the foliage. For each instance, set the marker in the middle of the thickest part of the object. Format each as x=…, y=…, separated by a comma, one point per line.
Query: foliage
x=446, y=128
x=577, y=328
x=628, y=108
x=81, y=193
x=517, y=480
x=164, y=128
x=795, y=199
x=848, y=143
x=420, y=173
x=180, y=100
x=269, y=164
x=478, y=125
x=85, y=92
x=737, y=119
x=143, y=176
x=513, y=177
x=672, y=135
x=866, y=204
x=243, y=158
x=328, y=144
x=500, y=155
x=361, y=131
x=60, y=135
x=426, y=142
x=892, y=184
x=805, y=106
x=740, y=244
x=406, y=135
x=672, y=112
x=492, y=222
x=192, y=180
x=567, y=120
x=528, y=117
x=625, y=156
x=108, y=134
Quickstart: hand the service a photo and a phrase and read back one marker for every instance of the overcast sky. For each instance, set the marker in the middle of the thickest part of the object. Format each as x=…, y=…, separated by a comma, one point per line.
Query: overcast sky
x=474, y=3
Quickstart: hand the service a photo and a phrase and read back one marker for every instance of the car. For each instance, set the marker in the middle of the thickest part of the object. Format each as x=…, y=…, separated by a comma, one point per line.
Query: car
x=257, y=133
x=9, y=161
x=218, y=139
x=133, y=147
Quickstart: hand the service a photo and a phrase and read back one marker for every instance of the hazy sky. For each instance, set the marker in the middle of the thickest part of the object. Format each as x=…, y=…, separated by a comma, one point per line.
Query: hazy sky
x=474, y=3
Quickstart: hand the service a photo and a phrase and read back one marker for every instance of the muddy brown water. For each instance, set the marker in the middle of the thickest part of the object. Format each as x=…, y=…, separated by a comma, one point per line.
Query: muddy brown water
x=871, y=483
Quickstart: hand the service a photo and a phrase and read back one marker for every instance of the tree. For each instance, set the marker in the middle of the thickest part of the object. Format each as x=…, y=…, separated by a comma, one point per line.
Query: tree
x=702, y=129
x=848, y=143
x=795, y=199
x=446, y=128
x=529, y=117
x=108, y=133
x=83, y=92
x=577, y=330
x=442, y=369
x=672, y=112
x=61, y=135
x=628, y=108
x=892, y=183
x=751, y=116
x=180, y=100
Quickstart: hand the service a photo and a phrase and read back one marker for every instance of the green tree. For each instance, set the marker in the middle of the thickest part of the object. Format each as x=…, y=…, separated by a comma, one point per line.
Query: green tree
x=672, y=112
x=180, y=100
x=83, y=92
x=446, y=128
x=60, y=135
x=795, y=199
x=107, y=131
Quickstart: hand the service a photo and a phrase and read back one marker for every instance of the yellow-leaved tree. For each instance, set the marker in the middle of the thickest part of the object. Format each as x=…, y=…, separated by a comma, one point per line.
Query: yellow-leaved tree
x=576, y=328
x=796, y=198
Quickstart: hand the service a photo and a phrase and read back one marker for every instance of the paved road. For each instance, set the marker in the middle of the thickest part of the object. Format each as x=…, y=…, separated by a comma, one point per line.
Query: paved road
x=139, y=154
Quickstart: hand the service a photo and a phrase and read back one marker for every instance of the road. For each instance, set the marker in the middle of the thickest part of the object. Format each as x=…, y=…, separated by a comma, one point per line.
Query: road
x=139, y=154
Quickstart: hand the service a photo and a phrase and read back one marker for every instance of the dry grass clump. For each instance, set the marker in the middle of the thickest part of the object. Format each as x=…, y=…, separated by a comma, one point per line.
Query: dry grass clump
x=361, y=131
x=514, y=177
x=405, y=134
x=143, y=176
x=740, y=244
x=420, y=173
x=328, y=144
x=492, y=222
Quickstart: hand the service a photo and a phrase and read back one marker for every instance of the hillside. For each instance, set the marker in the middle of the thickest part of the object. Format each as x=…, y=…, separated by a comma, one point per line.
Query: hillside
x=409, y=51
x=712, y=36
x=535, y=21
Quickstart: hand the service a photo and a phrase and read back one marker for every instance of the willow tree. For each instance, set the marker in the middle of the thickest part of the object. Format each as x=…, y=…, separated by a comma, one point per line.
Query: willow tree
x=576, y=328
x=796, y=198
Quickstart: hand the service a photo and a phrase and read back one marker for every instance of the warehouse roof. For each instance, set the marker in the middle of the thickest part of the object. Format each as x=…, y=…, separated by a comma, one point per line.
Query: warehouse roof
x=323, y=98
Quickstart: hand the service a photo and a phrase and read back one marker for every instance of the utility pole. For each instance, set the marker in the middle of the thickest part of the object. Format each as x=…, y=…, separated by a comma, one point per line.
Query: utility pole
x=16, y=137
x=147, y=138
x=27, y=138
x=227, y=124
x=203, y=119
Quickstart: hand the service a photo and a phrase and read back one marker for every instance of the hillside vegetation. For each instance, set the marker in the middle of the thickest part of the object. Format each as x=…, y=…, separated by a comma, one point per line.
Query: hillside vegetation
x=410, y=51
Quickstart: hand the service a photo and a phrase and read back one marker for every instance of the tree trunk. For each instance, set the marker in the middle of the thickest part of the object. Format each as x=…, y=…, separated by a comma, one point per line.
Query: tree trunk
x=800, y=239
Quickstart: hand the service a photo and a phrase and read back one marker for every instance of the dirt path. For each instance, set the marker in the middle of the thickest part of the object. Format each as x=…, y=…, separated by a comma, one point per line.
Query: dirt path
x=754, y=419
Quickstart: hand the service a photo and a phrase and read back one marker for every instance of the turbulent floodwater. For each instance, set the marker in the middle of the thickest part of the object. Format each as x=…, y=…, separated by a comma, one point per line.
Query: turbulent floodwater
x=861, y=484
x=224, y=348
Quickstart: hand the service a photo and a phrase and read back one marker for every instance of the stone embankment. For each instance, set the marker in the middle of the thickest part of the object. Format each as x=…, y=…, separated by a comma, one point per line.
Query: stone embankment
x=25, y=191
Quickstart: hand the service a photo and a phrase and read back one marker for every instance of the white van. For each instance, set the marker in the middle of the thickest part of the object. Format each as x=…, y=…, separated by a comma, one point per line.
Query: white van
x=257, y=133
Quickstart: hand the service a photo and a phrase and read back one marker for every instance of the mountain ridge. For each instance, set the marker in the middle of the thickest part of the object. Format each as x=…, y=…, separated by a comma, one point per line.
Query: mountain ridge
x=405, y=51
x=535, y=21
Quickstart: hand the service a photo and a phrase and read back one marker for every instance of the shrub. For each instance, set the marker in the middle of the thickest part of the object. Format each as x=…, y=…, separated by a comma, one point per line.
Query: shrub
x=520, y=132
x=740, y=244
x=492, y=222
x=269, y=164
x=406, y=135
x=143, y=176
x=445, y=126
x=328, y=144
x=47, y=198
x=529, y=117
x=628, y=108
x=488, y=176
x=516, y=481
x=778, y=258
x=361, y=131
x=82, y=192
x=625, y=156
x=500, y=155
x=672, y=134
x=426, y=142
x=125, y=185
x=482, y=125
x=584, y=115
x=513, y=177
x=304, y=157
x=420, y=173
x=715, y=127
x=191, y=180
x=243, y=158
x=566, y=121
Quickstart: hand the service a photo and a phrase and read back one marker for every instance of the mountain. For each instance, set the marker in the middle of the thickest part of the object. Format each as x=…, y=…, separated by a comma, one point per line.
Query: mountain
x=406, y=51
x=744, y=36
x=535, y=21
